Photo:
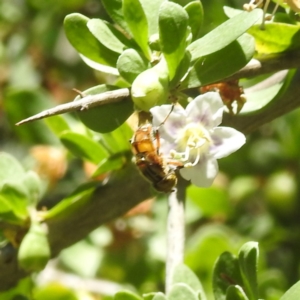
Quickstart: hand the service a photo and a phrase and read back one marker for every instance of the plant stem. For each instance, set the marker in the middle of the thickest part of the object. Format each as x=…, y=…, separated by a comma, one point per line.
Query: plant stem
x=175, y=231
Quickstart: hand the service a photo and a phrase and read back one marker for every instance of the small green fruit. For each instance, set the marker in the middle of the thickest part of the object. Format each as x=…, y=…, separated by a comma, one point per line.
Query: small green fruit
x=150, y=88
x=34, y=251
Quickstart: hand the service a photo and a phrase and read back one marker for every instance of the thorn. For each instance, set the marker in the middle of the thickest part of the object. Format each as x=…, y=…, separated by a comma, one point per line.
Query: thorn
x=79, y=93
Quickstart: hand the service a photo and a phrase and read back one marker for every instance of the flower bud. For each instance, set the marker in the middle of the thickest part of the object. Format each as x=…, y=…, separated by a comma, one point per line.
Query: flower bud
x=34, y=251
x=150, y=88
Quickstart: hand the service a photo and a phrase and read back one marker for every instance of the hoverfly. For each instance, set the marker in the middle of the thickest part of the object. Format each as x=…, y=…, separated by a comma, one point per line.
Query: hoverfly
x=145, y=146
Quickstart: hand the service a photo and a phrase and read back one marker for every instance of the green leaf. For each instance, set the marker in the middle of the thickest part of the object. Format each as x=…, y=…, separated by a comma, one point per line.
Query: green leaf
x=118, y=140
x=15, y=195
x=173, y=22
x=83, y=146
x=181, y=71
x=7, y=213
x=33, y=186
x=57, y=124
x=196, y=14
x=154, y=296
x=99, y=67
x=181, y=291
x=10, y=168
x=115, y=11
x=108, y=117
x=108, y=35
x=137, y=22
x=151, y=9
x=53, y=290
x=126, y=295
x=276, y=38
x=112, y=163
x=84, y=41
x=260, y=99
x=224, y=34
x=235, y=292
x=183, y=274
x=220, y=64
x=248, y=260
x=292, y=293
x=226, y=273
x=130, y=64
x=159, y=296
x=73, y=203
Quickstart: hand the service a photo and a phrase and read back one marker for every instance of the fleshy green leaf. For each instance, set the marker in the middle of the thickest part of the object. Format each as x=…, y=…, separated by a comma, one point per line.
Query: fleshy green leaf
x=108, y=35
x=248, y=260
x=196, y=14
x=181, y=71
x=126, y=295
x=276, y=38
x=99, y=67
x=130, y=64
x=137, y=23
x=14, y=198
x=151, y=9
x=220, y=64
x=183, y=274
x=108, y=117
x=118, y=140
x=224, y=34
x=154, y=296
x=159, y=296
x=115, y=11
x=114, y=162
x=72, y=203
x=226, y=273
x=84, y=41
x=10, y=168
x=292, y=293
x=259, y=99
x=235, y=292
x=83, y=146
x=33, y=186
x=57, y=124
x=181, y=291
x=173, y=22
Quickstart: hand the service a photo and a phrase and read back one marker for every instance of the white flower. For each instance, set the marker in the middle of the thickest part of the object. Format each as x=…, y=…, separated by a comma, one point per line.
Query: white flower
x=192, y=137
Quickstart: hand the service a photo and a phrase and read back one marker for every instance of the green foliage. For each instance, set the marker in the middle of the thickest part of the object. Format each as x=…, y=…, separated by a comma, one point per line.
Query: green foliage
x=136, y=20
x=173, y=22
x=215, y=66
x=276, y=38
x=18, y=190
x=196, y=15
x=107, y=117
x=76, y=27
x=126, y=295
x=217, y=40
x=130, y=64
x=172, y=30
x=293, y=293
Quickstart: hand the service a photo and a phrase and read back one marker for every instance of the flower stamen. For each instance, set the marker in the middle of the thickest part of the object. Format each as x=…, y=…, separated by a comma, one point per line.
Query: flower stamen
x=189, y=164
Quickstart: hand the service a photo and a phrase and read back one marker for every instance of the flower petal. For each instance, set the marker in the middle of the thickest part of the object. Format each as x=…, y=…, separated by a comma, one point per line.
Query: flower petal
x=226, y=141
x=174, y=122
x=203, y=174
x=206, y=109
